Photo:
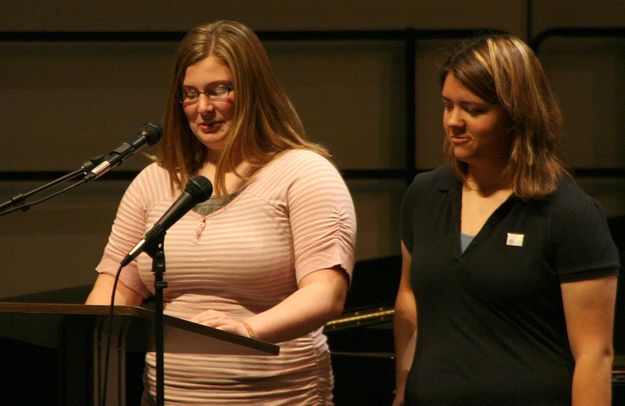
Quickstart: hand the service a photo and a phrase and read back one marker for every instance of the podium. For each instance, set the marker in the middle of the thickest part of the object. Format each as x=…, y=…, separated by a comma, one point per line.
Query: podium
x=77, y=335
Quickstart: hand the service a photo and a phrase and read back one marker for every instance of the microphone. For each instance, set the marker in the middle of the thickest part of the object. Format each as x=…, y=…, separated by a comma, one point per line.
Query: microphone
x=197, y=190
x=148, y=134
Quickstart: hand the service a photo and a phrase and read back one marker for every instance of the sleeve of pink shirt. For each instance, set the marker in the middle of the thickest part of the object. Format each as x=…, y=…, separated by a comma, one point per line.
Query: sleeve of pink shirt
x=322, y=216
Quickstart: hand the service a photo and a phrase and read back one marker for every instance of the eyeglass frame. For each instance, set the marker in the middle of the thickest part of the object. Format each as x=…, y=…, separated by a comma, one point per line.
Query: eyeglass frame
x=182, y=95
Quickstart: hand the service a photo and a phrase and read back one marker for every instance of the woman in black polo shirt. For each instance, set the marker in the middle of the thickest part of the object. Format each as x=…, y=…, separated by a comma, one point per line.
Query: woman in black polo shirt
x=509, y=271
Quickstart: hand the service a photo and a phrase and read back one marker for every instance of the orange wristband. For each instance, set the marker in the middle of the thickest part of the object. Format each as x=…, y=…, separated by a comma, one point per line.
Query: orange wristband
x=250, y=332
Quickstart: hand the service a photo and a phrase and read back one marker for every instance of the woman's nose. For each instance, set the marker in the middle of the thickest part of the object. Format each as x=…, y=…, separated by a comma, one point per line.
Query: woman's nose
x=204, y=103
x=453, y=117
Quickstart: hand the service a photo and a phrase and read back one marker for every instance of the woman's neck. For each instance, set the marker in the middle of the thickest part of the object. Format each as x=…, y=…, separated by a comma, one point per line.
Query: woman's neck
x=487, y=180
x=234, y=179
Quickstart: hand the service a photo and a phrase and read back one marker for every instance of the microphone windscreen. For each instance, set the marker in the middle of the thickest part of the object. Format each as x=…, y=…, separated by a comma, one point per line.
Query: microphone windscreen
x=152, y=132
x=199, y=188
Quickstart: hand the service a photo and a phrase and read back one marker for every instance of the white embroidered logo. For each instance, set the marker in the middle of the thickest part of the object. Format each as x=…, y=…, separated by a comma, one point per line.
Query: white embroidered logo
x=515, y=240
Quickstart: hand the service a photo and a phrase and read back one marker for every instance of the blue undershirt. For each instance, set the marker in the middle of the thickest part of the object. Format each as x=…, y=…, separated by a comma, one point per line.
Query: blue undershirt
x=465, y=240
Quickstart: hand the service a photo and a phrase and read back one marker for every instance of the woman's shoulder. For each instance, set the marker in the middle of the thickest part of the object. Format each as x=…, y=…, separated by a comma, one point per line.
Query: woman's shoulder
x=152, y=182
x=152, y=173
x=441, y=178
x=298, y=168
x=300, y=155
x=300, y=162
x=153, y=169
x=569, y=199
x=428, y=188
x=568, y=194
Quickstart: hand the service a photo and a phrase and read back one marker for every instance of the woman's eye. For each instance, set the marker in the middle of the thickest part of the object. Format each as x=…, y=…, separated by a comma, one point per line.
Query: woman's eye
x=474, y=111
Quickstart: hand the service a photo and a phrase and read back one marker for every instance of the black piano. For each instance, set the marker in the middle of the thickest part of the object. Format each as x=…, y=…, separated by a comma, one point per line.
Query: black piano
x=362, y=340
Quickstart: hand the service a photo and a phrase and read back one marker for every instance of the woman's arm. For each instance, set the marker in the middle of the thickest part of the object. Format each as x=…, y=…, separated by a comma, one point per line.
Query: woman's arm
x=323, y=227
x=589, y=312
x=103, y=288
x=320, y=298
x=404, y=328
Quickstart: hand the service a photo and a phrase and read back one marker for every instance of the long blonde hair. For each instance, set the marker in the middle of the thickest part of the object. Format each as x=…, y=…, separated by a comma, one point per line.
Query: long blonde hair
x=503, y=70
x=265, y=122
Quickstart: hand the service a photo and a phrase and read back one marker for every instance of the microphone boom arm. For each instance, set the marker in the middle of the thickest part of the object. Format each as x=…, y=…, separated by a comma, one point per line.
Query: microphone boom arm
x=92, y=169
x=18, y=202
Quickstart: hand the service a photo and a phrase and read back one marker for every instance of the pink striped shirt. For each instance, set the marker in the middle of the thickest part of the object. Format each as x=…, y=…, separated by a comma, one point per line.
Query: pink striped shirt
x=294, y=218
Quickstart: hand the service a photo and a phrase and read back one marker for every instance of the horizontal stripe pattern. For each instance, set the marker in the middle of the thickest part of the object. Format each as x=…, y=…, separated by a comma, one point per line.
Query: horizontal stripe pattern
x=294, y=218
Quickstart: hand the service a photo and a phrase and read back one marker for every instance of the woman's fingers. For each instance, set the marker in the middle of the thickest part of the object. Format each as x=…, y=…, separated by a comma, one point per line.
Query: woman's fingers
x=218, y=320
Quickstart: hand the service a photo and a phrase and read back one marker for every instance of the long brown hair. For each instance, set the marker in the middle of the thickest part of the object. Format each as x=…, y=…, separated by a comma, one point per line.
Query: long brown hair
x=265, y=122
x=502, y=70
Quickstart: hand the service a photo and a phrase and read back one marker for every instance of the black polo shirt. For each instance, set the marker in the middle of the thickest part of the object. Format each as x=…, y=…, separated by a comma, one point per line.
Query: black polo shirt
x=491, y=326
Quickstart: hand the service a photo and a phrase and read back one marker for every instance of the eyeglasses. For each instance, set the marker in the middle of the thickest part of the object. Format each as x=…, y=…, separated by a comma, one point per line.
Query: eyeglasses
x=216, y=92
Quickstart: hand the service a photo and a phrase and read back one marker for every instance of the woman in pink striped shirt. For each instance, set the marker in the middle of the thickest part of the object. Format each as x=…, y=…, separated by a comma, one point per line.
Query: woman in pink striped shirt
x=270, y=255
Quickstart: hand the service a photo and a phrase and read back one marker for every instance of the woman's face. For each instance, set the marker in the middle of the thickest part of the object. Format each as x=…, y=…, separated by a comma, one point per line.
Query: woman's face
x=208, y=104
x=478, y=131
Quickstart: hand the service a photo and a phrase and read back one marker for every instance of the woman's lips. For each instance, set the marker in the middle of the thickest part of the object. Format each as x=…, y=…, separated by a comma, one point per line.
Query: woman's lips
x=459, y=140
x=211, y=126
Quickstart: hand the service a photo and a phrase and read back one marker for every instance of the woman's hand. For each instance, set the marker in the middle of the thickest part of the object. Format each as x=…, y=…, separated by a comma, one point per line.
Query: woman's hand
x=221, y=321
x=320, y=297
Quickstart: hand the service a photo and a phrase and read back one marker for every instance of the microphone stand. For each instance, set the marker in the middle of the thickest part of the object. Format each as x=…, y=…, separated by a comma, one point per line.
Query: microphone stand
x=92, y=169
x=18, y=202
x=156, y=251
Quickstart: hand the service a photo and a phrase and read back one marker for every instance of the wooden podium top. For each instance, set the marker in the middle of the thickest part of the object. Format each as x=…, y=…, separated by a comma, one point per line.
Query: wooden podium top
x=40, y=324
